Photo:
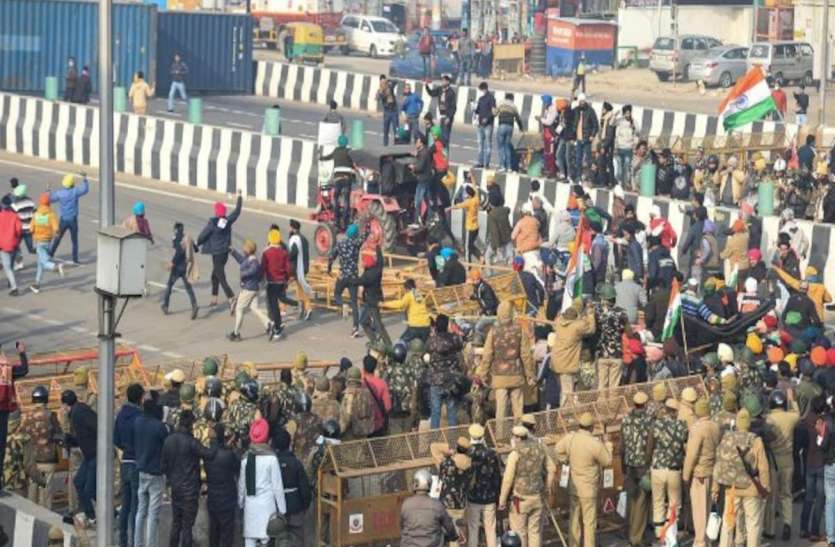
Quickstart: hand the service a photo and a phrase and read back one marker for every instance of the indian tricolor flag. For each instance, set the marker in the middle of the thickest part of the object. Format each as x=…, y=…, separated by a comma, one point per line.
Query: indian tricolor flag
x=749, y=100
x=673, y=312
x=574, y=270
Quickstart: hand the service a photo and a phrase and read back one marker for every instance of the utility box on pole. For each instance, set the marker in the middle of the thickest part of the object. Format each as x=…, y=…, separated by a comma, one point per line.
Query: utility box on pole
x=120, y=267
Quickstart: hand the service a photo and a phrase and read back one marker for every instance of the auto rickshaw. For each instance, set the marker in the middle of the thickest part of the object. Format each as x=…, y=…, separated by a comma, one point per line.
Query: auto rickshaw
x=303, y=42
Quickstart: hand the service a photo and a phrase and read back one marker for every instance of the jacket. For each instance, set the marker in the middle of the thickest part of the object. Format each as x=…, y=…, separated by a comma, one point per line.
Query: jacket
x=11, y=230
x=587, y=117
x=415, y=307
x=83, y=89
x=498, y=227
x=83, y=426
x=123, y=431
x=484, y=294
x=626, y=134
x=630, y=296
x=585, y=455
x=660, y=267
x=526, y=234
x=508, y=114
x=251, y=272
x=736, y=250
x=222, y=480
x=216, y=237
x=634, y=258
x=44, y=224
x=341, y=157
x=299, y=250
x=561, y=232
x=68, y=199
x=737, y=180
x=139, y=93
x=485, y=110
x=179, y=70
x=817, y=292
x=444, y=349
x=371, y=281
x=452, y=274
x=275, y=263
x=507, y=354
x=412, y=105
x=424, y=522
x=700, y=454
x=446, y=100
x=423, y=165
x=180, y=463
x=565, y=355
x=149, y=435
x=297, y=492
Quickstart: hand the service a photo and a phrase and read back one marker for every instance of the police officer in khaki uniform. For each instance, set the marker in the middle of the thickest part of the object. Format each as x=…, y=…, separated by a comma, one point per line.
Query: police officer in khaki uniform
x=685, y=406
x=635, y=438
x=301, y=378
x=324, y=404
x=523, y=478
x=45, y=431
x=669, y=435
x=659, y=397
x=726, y=417
x=508, y=359
x=585, y=456
x=782, y=421
x=739, y=488
x=699, y=458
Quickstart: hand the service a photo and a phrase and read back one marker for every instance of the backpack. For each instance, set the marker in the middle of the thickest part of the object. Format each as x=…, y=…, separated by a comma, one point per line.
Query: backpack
x=362, y=421
x=425, y=44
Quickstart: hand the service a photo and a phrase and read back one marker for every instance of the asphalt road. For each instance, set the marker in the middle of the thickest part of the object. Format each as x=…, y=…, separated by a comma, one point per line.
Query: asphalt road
x=63, y=315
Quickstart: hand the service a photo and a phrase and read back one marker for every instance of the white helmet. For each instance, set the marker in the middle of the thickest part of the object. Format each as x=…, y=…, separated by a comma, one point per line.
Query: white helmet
x=421, y=481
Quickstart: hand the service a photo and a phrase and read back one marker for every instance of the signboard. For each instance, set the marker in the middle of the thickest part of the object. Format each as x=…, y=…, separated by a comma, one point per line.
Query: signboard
x=370, y=519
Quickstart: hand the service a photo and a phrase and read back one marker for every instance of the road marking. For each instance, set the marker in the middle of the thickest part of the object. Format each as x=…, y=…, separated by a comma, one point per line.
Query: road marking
x=78, y=329
x=147, y=347
x=241, y=125
x=165, y=193
x=172, y=355
x=163, y=286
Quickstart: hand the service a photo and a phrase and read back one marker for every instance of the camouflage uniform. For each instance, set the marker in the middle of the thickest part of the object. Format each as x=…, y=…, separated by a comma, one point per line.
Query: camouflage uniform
x=750, y=379
x=44, y=430
x=308, y=429
x=670, y=436
x=634, y=436
x=282, y=401
x=356, y=415
x=325, y=406
x=237, y=420
x=302, y=381
x=455, y=483
x=402, y=379
x=715, y=403
x=18, y=458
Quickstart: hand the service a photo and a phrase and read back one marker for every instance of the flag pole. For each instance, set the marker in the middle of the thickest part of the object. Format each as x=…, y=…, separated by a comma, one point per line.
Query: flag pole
x=684, y=339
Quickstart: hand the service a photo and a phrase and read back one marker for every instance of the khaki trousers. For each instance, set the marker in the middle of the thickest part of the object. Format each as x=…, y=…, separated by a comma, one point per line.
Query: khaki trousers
x=700, y=508
x=566, y=386
x=517, y=405
x=477, y=512
x=455, y=515
x=780, y=497
x=609, y=372
x=582, y=521
x=749, y=513
x=242, y=305
x=301, y=296
x=42, y=495
x=637, y=505
x=527, y=521
x=666, y=495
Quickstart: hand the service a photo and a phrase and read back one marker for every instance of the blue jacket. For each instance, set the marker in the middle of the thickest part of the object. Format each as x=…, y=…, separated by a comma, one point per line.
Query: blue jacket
x=412, y=105
x=69, y=199
x=216, y=237
x=123, y=430
x=251, y=272
x=148, y=437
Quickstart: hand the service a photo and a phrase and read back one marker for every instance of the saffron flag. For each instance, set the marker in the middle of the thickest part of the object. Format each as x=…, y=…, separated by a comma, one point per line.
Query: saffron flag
x=575, y=269
x=673, y=312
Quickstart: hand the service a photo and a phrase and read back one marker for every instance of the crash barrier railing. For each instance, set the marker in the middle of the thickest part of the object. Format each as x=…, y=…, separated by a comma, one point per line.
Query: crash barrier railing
x=741, y=145
x=362, y=484
x=674, y=388
x=457, y=299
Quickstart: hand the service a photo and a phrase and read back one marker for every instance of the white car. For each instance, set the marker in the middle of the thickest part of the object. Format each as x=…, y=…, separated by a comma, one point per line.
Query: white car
x=372, y=35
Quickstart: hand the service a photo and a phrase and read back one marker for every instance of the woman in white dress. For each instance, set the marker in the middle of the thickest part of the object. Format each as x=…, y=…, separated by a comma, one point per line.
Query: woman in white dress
x=260, y=490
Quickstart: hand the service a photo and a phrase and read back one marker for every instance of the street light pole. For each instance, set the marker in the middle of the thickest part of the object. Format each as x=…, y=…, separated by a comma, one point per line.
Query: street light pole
x=824, y=53
x=106, y=303
x=754, y=22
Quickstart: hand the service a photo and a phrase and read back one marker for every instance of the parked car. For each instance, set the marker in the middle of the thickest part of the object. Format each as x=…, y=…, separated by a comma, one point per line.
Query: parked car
x=721, y=66
x=372, y=35
x=672, y=55
x=784, y=61
x=409, y=63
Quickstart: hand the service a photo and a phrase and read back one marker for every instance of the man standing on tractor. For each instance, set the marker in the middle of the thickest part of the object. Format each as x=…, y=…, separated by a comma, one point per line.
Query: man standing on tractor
x=446, y=104
x=422, y=168
x=343, y=174
x=347, y=250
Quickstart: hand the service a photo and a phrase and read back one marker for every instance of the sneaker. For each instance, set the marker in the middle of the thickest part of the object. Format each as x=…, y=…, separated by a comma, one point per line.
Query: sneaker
x=76, y=263
x=14, y=292
x=307, y=315
x=35, y=289
x=18, y=265
x=194, y=311
x=61, y=271
x=164, y=309
x=277, y=332
x=356, y=333
x=787, y=532
x=233, y=337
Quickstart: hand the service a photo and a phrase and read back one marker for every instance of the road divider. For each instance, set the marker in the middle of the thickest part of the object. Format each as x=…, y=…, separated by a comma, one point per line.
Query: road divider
x=357, y=91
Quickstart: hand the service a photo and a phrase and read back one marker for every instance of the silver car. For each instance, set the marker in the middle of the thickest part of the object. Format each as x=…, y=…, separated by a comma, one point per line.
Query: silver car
x=672, y=55
x=784, y=61
x=721, y=66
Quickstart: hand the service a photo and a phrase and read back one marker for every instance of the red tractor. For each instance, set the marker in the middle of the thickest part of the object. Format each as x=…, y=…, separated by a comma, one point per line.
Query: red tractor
x=381, y=200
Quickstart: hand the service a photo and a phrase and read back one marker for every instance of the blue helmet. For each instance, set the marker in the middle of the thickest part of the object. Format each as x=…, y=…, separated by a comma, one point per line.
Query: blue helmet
x=139, y=208
x=342, y=141
x=547, y=100
x=447, y=253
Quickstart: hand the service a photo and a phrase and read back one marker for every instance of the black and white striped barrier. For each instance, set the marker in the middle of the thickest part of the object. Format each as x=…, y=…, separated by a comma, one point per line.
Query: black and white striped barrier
x=279, y=169
x=27, y=524
x=357, y=91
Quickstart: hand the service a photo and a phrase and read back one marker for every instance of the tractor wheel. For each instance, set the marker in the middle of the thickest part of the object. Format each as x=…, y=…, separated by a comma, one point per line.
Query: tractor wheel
x=324, y=238
x=382, y=227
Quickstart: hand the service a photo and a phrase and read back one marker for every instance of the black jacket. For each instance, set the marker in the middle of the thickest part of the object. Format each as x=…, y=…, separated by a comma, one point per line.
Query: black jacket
x=222, y=480
x=446, y=100
x=452, y=274
x=341, y=157
x=149, y=434
x=656, y=311
x=423, y=165
x=216, y=240
x=294, y=255
x=661, y=267
x=178, y=261
x=371, y=281
x=83, y=424
x=484, y=109
x=180, y=463
x=296, y=484
x=170, y=398
x=802, y=304
x=484, y=294
x=590, y=123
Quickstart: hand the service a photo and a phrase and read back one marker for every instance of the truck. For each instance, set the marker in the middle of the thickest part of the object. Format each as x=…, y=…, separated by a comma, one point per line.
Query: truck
x=271, y=15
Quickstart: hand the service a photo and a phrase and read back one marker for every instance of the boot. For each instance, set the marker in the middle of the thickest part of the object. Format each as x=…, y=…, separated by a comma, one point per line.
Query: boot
x=787, y=532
